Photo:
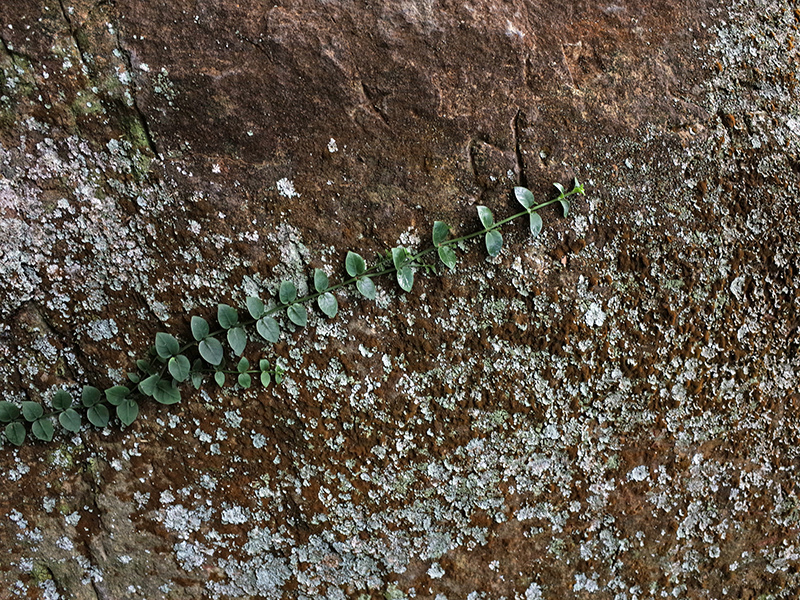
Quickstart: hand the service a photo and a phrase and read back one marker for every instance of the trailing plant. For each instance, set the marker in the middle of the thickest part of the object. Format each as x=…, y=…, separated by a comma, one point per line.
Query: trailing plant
x=218, y=353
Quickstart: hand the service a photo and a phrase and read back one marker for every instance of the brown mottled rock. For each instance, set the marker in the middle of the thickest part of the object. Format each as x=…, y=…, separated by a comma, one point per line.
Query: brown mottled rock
x=608, y=410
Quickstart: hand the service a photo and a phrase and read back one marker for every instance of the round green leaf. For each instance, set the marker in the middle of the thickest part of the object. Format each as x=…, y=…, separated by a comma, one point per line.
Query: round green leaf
x=227, y=316
x=243, y=365
x=494, y=242
x=297, y=314
x=237, y=339
x=62, y=399
x=115, y=395
x=43, y=430
x=269, y=329
x=328, y=304
x=98, y=415
x=448, y=256
x=211, y=350
x=354, y=264
x=15, y=433
x=166, y=345
x=199, y=328
x=287, y=292
x=255, y=307
x=179, y=367
x=128, y=411
x=266, y=378
x=8, y=412
x=485, y=216
x=32, y=410
x=405, y=277
x=219, y=377
x=399, y=257
x=440, y=232
x=70, y=420
x=366, y=287
x=320, y=280
x=244, y=380
x=263, y=364
x=144, y=366
x=536, y=224
x=148, y=386
x=167, y=393
x=524, y=196
x=134, y=378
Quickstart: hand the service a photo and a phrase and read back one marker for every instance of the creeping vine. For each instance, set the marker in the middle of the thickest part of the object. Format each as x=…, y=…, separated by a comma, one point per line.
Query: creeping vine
x=173, y=364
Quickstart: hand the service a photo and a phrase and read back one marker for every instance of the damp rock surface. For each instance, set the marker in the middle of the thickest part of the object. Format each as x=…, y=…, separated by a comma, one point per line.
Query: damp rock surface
x=608, y=410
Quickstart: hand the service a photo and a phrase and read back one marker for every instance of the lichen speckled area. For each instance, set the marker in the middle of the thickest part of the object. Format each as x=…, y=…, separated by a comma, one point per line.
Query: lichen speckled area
x=609, y=410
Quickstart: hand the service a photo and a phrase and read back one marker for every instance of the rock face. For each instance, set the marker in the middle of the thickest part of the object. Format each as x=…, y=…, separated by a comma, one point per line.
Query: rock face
x=608, y=410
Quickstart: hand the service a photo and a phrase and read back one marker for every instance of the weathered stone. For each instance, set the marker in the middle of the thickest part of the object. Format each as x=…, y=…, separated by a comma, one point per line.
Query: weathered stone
x=609, y=409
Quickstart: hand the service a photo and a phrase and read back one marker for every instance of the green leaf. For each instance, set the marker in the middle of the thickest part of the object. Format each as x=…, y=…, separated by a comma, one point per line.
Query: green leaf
x=448, y=256
x=486, y=216
x=219, y=377
x=199, y=328
x=227, y=316
x=148, y=386
x=8, y=412
x=197, y=380
x=328, y=304
x=287, y=292
x=255, y=307
x=179, y=367
x=269, y=329
x=536, y=224
x=399, y=257
x=237, y=339
x=320, y=280
x=144, y=366
x=263, y=364
x=166, y=345
x=354, y=264
x=98, y=415
x=244, y=380
x=70, y=420
x=128, y=411
x=115, y=395
x=440, y=232
x=405, y=277
x=43, y=430
x=578, y=188
x=243, y=365
x=366, y=287
x=279, y=374
x=560, y=188
x=266, y=378
x=167, y=392
x=134, y=378
x=565, y=206
x=524, y=196
x=494, y=242
x=211, y=350
x=32, y=410
x=15, y=433
x=62, y=399
x=297, y=314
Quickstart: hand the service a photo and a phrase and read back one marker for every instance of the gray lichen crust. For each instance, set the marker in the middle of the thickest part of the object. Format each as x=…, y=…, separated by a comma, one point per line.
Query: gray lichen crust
x=608, y=410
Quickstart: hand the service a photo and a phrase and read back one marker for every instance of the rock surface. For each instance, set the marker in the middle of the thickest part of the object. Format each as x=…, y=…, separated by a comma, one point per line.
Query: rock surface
x=608, y=410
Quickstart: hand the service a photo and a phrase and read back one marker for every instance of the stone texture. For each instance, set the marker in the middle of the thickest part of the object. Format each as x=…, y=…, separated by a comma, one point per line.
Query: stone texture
x=607, y=411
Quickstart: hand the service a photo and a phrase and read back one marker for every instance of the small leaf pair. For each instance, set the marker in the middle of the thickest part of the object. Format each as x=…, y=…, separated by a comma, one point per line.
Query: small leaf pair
x=355, y=266
x=493, y=238
x=446, y=254
x=326, y=300
x=525, y=197
x=296, y=312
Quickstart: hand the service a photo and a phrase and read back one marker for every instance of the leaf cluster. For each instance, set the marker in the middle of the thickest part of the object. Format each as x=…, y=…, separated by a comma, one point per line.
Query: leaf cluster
x=218, y=353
